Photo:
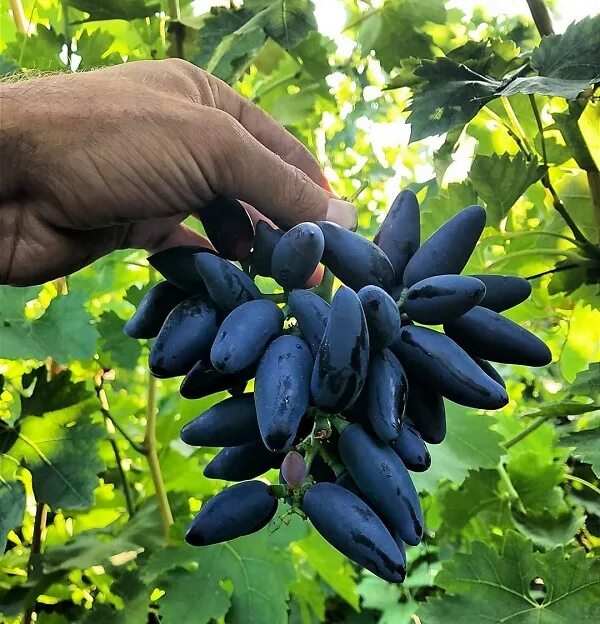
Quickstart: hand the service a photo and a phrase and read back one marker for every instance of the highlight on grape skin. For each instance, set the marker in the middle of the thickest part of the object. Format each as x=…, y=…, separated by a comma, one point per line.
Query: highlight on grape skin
x=349, y=386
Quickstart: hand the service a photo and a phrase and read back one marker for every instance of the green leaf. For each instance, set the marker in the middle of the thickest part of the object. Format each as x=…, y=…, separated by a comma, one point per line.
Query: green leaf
x=40, y=51
x=310, y=596
x=586, y=445
x=93, y=48
x=115, y=9
x=536, y=481
x=12, y=508
x=501, y=179
x=386, y=598
x=451, y=95
x=114, y=347
x=61, y=452
x=381, y=33
x=543, y=85
x=470, y=444
x=260, y=574
x=586, y=383
x=486, y=585
x=64, y=332
x=574, y=55
x=136, y=599
x=7, y=66
x=332, y=567
x=86, y=550
x=547, y=530
x=51, y=393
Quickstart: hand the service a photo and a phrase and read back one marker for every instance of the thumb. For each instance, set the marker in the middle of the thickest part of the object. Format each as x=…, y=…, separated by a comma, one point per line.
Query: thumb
x=244, y=168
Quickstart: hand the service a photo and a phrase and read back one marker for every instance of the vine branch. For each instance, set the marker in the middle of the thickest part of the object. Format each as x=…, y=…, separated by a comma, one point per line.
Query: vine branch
x=39, y=524
x=541, y=17
x=536, y=424
x=176, y=28
x=565, y=267
x=16, y=6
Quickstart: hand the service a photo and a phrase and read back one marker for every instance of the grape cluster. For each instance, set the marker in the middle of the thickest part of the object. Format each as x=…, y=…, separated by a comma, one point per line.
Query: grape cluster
x=346, y=394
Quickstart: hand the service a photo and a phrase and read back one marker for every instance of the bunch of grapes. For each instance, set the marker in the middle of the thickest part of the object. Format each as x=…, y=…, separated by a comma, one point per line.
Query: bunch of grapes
x=346, y=394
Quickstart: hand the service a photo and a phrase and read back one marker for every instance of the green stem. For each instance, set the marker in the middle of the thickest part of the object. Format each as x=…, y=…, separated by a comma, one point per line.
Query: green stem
x=539, y=252
x=176, y=27
x=508, y=484
x=275, y=84
x=151, y=446
x=536, y=424
x=104, y=409
x=566, y=267
x=583, y=482
x=541, y=17
x=352, y=198
x=39, y=524
x=516, y=124
x=538, y=121
x=511, y=235
x=110, y=430
x=514, y=136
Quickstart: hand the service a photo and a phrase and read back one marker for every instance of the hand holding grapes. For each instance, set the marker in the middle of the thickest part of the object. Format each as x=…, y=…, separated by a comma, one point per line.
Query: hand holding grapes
x=118, y=158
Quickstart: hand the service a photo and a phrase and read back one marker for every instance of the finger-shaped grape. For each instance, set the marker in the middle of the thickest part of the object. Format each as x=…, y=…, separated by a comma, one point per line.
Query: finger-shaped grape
x=411, y=449
x=382, y=314
x=311, y=313
x=265, y=240
x=229, y=227
x=504, y=291
x=425, y=409
x=490, y=371
x=246, y=461
x=297, y=255
x=202, y=380
x=177, y=266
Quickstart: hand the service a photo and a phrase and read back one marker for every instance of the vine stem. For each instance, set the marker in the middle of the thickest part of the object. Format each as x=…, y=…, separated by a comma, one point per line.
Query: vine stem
x=510, y=235
x=513, y=135
x=541, y=17
x=512, y=492
x=16, y=6
x=536, y=424
x=150, y=445
x=583, y=482
x=110, y=431
x=39, y=524
x=537, y=252
x=177, y=28
x=559, y=269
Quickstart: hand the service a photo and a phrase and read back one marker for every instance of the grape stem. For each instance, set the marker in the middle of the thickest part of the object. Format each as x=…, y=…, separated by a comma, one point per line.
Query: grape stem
x=583, y=482
x=579, y=260
x=538, y=422
x=39, y=525
x=557, y=269
x=513, y=495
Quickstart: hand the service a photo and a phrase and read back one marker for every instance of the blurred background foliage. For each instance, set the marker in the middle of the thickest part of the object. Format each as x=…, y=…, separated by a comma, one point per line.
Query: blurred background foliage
x=460, y=101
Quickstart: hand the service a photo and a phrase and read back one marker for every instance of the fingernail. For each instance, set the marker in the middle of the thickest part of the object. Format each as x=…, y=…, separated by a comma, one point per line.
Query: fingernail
x=343, y=213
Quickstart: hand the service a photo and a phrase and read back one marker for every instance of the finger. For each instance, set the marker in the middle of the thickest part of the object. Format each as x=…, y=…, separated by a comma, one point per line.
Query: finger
x=242, y=167
x=216, y=93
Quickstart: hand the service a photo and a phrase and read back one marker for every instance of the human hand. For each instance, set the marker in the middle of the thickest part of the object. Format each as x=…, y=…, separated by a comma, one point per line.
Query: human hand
x=118, y=158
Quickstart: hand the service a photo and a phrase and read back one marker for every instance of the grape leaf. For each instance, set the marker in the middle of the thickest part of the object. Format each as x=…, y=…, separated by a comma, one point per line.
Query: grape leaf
x=40, y=51
x=115, y=349
x=541, y=493
x=381, y=596
x=380, y=32
x=12, y=508
x=310, y=597
x=51, y=393
x=136, y=599
x=587, y=383
x=116, y=9
x=7, y=66
x=451, y=95
x=548, y=530
x=61, y=452
x=586, y=445
x=486, y=585
x=332, y=567
x=93, y=48
x=260, y=573
x=543, y=85
x=63, y=332
x=573, y=55
x=501, y=179
x=470, y=444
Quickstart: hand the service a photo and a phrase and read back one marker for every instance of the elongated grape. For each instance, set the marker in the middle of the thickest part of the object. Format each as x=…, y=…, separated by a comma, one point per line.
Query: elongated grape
x=448, y=249
x=399, y=234
x=382, y=314
x=203, y=380
x=442, y=298
x=265, y=240
x=387, y=390
x=246, y=461
x=311, y=313
x=228, y=227
x=347, y=482
x=227, y=285
x=185, y=337
x=342, y=360
x=297, y=255
x=411, y=449
x=504, y=291
x=355, y=260
x=425, y=410
x=282, y=390
x=240, y=509
x=489, y=335
x=427, y=354
x=229, y=423
x=293, y=469
x=245, y=334
x=490, y=371
x=383, y=479
x=153, y=309
x=177, y=266
x=352, y=527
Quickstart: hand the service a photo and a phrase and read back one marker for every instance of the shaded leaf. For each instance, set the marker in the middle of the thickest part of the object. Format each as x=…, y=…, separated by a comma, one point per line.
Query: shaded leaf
x=501, y=179
x=587, y=383
x=114, y=347
x=573, y=55
x=40, y=51
x=451, y=95
x=543, y=85
x=7, y=66
x=586, y=445
x=547, y=530
x=12, y=508
x=116, y=9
